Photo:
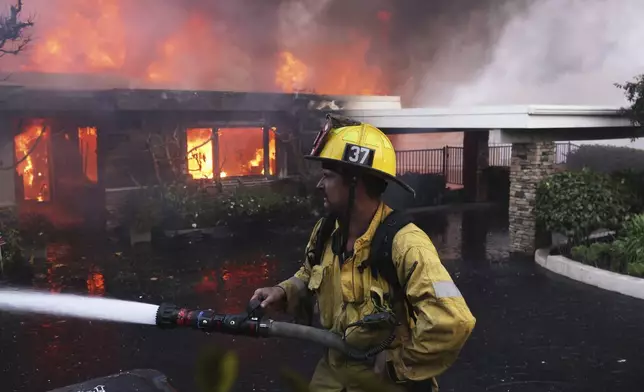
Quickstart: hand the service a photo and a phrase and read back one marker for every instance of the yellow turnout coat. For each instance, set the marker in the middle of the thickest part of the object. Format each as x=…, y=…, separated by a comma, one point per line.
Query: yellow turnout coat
x=422, y=349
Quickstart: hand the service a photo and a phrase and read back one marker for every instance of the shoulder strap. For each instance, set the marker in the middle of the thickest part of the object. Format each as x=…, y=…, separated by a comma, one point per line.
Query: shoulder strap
x=380, y=259
x=325, y=229
x=380, y=255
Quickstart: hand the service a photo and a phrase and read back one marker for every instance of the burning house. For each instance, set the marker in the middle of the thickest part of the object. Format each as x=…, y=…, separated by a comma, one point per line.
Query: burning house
x=114, y=95
x=72, y=150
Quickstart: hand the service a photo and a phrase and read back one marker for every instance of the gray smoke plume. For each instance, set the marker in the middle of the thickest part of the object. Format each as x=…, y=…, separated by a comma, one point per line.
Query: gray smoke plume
x=430, y=52
x=236, y=45
x=555, y=52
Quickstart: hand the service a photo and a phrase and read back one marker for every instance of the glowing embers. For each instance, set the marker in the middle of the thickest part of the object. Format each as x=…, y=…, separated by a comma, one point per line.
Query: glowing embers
x=241, y=151
x=200, y=153
x=32, y=160
x=87, y=143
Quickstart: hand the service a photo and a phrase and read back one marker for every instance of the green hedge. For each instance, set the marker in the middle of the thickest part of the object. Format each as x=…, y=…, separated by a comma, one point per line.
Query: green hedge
x=633, y=180
x=578, y=203
x=185, y=206
x=623, y=255
x=10, y=233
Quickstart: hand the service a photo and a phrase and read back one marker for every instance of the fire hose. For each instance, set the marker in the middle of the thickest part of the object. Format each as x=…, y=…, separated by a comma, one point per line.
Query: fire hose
x=251, y=323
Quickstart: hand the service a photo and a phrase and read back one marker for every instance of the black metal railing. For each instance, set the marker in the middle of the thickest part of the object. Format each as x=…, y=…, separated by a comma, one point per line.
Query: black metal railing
x=501, y=154
x=448, y=161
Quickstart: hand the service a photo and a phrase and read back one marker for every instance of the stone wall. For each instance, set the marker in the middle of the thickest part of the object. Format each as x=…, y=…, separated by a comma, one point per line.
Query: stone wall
x=531, y=162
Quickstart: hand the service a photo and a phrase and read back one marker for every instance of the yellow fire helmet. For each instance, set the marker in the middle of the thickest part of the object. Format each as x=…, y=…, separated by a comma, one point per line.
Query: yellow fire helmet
x=359, y=145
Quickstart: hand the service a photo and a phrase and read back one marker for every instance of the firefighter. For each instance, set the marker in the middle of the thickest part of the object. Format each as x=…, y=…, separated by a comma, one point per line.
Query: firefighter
x=430, y=320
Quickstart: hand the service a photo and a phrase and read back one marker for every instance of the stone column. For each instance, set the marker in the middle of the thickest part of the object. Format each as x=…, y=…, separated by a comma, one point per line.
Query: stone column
x=531, y=162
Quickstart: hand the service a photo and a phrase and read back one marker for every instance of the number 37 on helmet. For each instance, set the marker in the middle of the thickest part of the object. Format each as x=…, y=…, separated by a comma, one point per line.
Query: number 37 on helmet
x=363, y=146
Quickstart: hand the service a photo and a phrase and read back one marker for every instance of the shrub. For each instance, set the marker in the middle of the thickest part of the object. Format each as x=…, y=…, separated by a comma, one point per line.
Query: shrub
x=262, y=205
x=34, y=229
x=634, y=181
x=630, y=245
x=624, y=255
x=141, y=210
x=600, y=254
x=187, y=205
x=10, y=234
x=578, y=203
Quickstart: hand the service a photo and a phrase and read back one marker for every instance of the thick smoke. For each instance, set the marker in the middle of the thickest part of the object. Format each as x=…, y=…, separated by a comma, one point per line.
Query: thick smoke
x=347, y=46
x=430, y=52
x=557, y=52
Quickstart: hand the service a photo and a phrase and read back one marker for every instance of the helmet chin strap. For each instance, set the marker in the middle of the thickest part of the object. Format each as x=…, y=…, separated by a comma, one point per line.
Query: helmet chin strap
x=347, y=219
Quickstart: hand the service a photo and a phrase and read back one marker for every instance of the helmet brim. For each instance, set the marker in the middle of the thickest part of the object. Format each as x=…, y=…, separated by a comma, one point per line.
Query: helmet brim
x=372, y=171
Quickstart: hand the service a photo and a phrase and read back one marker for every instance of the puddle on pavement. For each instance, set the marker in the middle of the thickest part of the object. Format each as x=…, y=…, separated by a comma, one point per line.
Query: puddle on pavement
x=533, y=332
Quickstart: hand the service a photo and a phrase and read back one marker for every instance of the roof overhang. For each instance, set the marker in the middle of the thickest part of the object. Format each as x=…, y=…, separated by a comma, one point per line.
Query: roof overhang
x=494, y=117
x=16, y=98
x=509, y=124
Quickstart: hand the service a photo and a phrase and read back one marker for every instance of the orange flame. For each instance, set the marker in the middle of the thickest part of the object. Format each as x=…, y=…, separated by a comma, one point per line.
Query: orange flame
x=96, y=283
x=194, y=52
x=291, y=74
x=241, y=152
x=90, y=39
x=87, y=143
x=200, y=160
x=339, y=70
x=33, y=161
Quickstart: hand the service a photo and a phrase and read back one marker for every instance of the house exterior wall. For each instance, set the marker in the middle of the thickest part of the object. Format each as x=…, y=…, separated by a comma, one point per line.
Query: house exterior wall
x=7, y=177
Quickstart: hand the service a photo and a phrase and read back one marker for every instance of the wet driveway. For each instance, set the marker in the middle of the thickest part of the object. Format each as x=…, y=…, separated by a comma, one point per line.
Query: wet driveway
x=535, y=331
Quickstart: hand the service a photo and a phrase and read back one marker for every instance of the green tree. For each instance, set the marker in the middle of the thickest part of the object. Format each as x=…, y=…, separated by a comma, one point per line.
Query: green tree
x=634, y=92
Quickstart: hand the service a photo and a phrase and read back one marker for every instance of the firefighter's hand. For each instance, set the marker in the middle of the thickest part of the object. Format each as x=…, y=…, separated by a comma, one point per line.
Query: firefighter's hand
x=270, y=296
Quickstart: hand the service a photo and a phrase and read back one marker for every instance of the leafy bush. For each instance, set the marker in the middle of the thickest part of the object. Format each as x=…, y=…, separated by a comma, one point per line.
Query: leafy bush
x=634, y=182
x=578, y=203
x=624, y=164
x=262, y=205
x=187, y=205
x=630, y=245
x=624, y=255
x=9, y=232
x=141, y=210
x=599, y=254
x=34, y=229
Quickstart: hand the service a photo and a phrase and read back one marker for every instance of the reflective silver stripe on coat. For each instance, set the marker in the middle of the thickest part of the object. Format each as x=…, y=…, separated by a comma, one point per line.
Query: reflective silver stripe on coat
x=298, y=283
x=446, y=289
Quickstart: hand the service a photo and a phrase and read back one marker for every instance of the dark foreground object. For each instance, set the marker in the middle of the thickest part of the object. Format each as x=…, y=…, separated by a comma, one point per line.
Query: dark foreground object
x=139, y=380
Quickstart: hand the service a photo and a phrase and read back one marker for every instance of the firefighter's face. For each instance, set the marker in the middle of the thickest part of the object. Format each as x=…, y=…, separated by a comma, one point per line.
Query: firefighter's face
x=335, y=191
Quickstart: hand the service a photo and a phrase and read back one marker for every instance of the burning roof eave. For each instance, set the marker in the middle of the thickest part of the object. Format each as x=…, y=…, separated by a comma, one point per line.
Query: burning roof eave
x=16, y=98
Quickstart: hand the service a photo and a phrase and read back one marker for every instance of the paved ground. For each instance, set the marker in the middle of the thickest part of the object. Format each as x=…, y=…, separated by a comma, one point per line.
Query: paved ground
x=535, y=332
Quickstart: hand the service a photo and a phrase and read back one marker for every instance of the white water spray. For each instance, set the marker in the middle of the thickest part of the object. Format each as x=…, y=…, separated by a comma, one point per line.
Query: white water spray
x=69, y=305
